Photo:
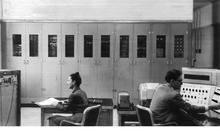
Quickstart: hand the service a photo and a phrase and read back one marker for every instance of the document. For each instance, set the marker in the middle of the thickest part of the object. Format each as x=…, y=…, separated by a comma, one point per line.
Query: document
x=51, y=102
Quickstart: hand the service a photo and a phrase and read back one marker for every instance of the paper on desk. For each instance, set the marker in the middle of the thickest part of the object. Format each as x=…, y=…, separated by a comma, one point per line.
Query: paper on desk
x=52, y=102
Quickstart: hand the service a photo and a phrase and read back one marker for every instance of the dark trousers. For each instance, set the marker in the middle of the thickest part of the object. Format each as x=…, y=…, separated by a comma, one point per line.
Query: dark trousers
x=55, y=120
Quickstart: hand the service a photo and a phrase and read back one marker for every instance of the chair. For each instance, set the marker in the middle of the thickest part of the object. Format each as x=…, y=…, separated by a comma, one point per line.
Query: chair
x=90, y=117
x=145, y=117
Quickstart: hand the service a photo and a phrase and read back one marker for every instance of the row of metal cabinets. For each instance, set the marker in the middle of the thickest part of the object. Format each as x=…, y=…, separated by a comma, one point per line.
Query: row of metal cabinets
x=110, y=57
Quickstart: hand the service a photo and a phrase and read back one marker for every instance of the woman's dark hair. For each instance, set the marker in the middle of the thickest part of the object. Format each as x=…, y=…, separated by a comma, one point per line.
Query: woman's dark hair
x=76, y=77
x=173, y=75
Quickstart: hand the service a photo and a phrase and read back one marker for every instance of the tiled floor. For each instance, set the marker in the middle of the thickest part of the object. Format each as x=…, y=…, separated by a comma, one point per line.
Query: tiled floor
x=31, y=116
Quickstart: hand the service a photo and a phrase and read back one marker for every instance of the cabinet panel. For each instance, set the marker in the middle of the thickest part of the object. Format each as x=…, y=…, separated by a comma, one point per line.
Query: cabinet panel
x=105, y=60
x=15, y=50
x=69, y=61
x=105, y=117
x=179, y=46
x=141, y=56
x=88, y=58
x=123, y=69
x=34, y=62
x=51, y=60
x=160, y=51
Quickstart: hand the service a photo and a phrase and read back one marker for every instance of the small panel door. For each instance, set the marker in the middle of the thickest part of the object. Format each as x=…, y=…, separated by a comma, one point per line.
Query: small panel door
x=34, y=62
x=15, y=50
x=88, y=58
x=160, y=52
x=123, y=69
x=179, y=46
x=69, y=61
x=141, y=54
x=51, y=60
x=105, y=60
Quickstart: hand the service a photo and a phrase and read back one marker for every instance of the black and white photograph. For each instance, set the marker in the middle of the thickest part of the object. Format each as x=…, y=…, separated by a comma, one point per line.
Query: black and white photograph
x=109, y=64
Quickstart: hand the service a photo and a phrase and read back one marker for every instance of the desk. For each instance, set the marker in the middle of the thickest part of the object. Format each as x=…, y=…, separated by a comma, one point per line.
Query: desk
x=124, y=116
x=204, y=119
x=105, y=118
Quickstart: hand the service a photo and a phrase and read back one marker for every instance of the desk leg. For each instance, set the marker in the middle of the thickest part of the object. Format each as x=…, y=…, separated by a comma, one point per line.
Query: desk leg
x=119, y=120
x=42, y=117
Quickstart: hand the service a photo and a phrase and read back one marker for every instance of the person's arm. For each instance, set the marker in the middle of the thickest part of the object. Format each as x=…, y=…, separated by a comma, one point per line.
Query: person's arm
x=66, y=106
x=213, y=107
x=178, y=102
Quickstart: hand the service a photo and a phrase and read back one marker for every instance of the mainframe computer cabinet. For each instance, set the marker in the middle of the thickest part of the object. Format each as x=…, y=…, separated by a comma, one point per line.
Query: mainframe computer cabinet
x=111, y=57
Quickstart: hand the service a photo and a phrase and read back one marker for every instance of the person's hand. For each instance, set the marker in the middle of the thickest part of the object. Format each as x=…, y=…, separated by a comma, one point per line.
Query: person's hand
x=214, y=107
x=217, y=106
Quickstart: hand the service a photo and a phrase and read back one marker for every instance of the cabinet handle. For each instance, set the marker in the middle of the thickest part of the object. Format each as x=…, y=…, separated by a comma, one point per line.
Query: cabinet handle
x=167, y=62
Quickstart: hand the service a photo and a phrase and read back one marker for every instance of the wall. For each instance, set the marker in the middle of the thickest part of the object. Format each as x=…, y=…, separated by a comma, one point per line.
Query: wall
x=0, y=34
x=203, y=37
x=98, y=10
x=216, y=25
x=206, y=31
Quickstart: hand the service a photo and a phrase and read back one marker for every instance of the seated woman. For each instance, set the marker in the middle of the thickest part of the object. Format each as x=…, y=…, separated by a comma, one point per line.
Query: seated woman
x=76, y=102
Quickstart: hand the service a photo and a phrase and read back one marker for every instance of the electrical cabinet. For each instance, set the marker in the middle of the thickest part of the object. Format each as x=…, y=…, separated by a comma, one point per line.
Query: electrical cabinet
x=23, y=52
x=9, y=98
x=123, y=68
x=69, y=55
x=111, y=57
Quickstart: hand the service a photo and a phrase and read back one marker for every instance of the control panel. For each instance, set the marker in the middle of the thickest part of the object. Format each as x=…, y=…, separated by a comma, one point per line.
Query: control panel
x=216, y=98
x=197, y=94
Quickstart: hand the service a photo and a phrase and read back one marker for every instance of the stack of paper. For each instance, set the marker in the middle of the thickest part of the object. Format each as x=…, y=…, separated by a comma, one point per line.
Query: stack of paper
x=51, y=102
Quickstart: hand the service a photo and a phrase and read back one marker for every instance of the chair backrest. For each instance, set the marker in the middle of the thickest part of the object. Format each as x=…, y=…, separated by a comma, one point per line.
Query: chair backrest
x=144, y=116
x=91, y=115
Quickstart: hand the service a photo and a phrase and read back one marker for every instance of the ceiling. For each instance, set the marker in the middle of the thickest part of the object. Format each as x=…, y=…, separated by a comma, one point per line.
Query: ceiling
x=201, y=3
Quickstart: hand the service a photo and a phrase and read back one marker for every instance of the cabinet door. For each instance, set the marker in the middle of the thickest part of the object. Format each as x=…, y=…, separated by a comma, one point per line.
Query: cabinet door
x=123, y=69
x=105, y=117
x=34, y=62
x=141, y=57
x=8, y=105
x=15, y=50
x=51, y=59
x=69, y=59
x=105, y=60
x=160, y=51
x=179, y=46
x=88, y=58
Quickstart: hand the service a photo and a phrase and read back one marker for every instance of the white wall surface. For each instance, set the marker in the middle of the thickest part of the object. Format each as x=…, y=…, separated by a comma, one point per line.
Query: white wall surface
x=206, y=15
x=98, y=10
x=0, y=34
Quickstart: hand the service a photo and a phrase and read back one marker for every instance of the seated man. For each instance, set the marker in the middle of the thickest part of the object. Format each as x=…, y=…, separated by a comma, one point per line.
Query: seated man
x=167, y=100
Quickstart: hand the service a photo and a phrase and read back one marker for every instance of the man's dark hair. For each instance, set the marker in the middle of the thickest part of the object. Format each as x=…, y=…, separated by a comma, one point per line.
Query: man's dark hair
x=173, y=75
x=76, y=77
